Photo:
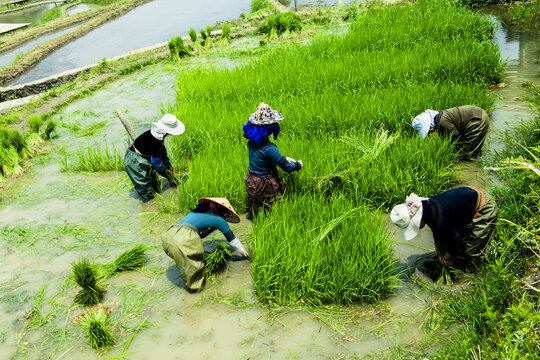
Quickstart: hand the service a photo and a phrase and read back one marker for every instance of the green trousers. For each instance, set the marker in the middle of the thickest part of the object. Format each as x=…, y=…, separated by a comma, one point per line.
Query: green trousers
x=184, y=245
x=474, y=136
x=479, y=232
x=142, y=175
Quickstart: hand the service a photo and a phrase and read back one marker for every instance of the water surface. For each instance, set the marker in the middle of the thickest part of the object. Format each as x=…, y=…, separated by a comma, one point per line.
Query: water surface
x=32, y=15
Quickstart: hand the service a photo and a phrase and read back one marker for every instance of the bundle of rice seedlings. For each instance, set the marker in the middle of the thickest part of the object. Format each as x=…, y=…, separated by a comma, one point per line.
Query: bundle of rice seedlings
x=131, y=259
x=86, y=277
x=177, y=48
x=445, y=277
x=97, y=323
x=34, y=123
x=34, y=140
x=18, y=141
x=49, y=128
x=225, y=33
x=9, y=161
x=196, y=47
x=215, y=261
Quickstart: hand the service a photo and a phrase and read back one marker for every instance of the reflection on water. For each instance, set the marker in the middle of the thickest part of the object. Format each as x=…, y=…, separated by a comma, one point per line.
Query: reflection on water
x=78, y=9
x=32, y=15
x=520, y=50
x=152, y=23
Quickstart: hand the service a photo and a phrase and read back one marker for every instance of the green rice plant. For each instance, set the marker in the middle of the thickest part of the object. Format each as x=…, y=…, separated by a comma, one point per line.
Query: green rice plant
x=338, y=253
x=97, y=324
x=131, y=259
x=93, y=159
x=208, y=41
x=34, y=123
x=225, y=33
x=445, y=278
x=216, y=261
x=51, y=14
x=18, y=141
x=49, y=128
x=85, y=131
x=86, y=277
x=282, y=22
x=193, y=35
x=34, y=140
x=10, y=162
x=177, y=48
x=336, y=93
x=258, y=5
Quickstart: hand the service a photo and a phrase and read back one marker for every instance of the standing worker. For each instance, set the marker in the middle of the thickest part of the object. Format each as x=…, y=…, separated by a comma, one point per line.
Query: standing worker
x=263, y=184
x=183, y=241
x=148, y=156
x=462, y=221
x=468, y=125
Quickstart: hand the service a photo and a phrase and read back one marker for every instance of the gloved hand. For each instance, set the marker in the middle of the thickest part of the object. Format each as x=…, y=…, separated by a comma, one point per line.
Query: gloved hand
x=289, y=159
x=237, y=246
x=301, y=163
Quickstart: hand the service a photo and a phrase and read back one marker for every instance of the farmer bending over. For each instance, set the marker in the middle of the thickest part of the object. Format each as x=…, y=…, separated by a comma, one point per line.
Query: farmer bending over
x=148, y=156
x=183, y=241
x=263, y=184
x=462, y=221
x=468, y=125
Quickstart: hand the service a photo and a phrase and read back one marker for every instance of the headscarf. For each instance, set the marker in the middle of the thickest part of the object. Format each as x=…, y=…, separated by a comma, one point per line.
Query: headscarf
x=257, y=133
x=157, y=132
x=424, y=121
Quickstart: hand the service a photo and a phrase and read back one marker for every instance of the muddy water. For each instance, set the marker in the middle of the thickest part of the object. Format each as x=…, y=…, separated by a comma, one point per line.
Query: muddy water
x=32, y=15
x=50, y=219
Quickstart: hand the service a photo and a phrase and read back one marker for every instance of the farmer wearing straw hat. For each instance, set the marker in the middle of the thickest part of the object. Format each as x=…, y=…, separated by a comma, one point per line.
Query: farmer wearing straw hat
x=183, y=241
x=263, y=183
x=468, y=125
x=148, y=156
x=462, y=221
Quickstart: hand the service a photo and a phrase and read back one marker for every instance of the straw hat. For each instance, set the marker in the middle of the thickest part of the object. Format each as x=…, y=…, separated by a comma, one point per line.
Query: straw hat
x=264, y=115
x=408, y=216
x=170, y=124
x=230, y=215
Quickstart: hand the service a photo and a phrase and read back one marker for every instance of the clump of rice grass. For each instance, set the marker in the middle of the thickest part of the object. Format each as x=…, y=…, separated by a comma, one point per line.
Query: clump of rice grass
x=177, y=48
x=34, y=140
x=10, y=162
x=93, y=159
x=98, y=326
x=49, y=128
x=86, y=277
x=208, y=41
x=282, y=22
x=131, y=259
x=216, y=261
x=196, y=45
x=34, y=123
x=225, y=34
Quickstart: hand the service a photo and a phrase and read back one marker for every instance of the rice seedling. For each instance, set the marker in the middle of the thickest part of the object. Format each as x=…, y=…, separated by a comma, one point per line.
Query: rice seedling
x=86, y=277
x=98, y=327
x=208, y=41
x=216, y=261
x=445, y=278
x=49, y=128
x=177, y=48
x=34, y=140
x=34, y=123
x=195, y=46
x=131, y=259
x=10, y=162
x=85, y=131
x=93, y=159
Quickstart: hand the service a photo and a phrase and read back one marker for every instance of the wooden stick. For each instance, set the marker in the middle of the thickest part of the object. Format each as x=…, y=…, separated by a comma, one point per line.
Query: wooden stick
x=126, y=124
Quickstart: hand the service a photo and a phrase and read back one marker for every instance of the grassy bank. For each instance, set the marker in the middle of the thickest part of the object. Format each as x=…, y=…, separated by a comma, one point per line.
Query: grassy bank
x=348, y=101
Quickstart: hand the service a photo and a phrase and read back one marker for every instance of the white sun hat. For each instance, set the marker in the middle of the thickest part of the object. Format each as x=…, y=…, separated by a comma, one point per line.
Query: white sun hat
x=408, y=216
x=424, y=121
x=169, y=124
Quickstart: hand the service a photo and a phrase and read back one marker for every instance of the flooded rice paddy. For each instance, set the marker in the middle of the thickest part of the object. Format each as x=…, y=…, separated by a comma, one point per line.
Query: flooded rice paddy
x=152, y=23
x=31, y=15
x=49, y=219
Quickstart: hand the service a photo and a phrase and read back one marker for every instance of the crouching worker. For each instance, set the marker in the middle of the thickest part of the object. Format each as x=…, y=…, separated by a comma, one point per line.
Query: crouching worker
x=263, y=184
x=468, y=125
x=183, y=241
x=462, y=221
x=148, y=156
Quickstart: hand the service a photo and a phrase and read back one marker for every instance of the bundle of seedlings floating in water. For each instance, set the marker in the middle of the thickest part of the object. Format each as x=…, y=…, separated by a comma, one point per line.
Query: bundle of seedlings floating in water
x=97, y=323
x=86, y=277
x=131, y=259
x=216, y=261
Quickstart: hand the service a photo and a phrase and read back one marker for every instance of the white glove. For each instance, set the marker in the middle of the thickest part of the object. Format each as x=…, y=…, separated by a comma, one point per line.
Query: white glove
x=290, y=159
x=301, y=163
x=237, y=246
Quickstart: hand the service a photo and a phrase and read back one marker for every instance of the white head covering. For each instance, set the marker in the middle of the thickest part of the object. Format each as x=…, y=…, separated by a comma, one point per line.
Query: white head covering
x=422, y=122
x=408, y=216
x=168, y=124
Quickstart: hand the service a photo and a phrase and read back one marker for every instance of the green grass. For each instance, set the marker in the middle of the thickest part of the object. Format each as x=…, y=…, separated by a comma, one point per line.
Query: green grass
x=51, y=14
x=92, y=159
x=340, y=95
